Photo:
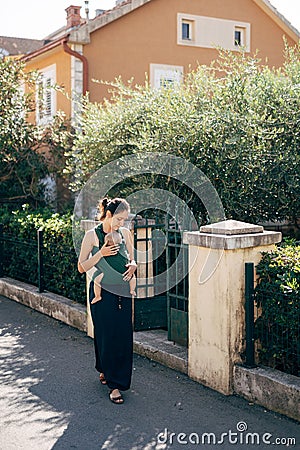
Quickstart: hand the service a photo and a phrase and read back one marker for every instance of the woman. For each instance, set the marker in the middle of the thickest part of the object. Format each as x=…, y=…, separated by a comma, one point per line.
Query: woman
x=112, y=315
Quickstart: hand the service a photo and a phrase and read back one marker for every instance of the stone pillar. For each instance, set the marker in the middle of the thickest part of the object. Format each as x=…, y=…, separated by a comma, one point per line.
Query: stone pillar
x=217, y=257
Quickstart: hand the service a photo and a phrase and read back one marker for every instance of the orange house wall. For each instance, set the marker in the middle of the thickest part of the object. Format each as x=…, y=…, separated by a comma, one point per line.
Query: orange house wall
x=63, y=70
x=147, y=35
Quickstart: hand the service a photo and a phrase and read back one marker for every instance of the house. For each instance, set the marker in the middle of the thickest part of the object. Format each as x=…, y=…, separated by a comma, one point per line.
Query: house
x=160, y=38
x=16, y=47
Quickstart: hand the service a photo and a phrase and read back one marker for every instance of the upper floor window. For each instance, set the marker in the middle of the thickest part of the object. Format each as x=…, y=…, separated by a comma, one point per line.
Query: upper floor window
x=239, y=36
x=212, y=32
x=187, y=29
x=46, y=96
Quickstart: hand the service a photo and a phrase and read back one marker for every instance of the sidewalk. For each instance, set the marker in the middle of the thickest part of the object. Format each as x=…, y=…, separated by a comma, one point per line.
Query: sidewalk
x=272, y=389
x=50, y=398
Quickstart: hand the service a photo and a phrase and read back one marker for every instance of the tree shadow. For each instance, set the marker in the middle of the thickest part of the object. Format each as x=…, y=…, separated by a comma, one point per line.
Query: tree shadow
x=51, y=397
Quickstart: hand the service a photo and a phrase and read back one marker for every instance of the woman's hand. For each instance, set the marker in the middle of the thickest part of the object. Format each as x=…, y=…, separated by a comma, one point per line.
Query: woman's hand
x=132, y=266
x=109, y=250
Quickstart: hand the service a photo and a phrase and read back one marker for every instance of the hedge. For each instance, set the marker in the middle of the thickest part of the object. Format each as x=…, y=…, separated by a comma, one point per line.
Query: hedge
x=277, y=297
x=20, y=257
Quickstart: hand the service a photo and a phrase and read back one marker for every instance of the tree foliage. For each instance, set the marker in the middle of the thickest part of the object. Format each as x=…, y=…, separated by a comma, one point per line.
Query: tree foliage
x=277, y=296
x=237, y=120
x=27, y=152
x=21, y=167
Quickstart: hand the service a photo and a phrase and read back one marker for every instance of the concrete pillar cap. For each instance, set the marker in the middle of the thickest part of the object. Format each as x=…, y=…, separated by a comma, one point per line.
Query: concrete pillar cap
x=230, y=235
x=231, y=227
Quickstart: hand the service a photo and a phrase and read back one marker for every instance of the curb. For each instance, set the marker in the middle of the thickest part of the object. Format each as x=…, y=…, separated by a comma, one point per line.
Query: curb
x=154, y=345
x=53, y=305
x=270, y=388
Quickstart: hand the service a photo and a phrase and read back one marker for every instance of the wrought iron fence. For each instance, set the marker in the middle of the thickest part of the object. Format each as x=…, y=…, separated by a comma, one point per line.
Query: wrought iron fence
x=43, y=262
x=149, y=243
x=277, y=332
x=178, y=292
x=162, y=298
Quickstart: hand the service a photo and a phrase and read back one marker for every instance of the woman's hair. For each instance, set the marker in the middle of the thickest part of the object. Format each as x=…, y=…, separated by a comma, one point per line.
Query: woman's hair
x=116, y=205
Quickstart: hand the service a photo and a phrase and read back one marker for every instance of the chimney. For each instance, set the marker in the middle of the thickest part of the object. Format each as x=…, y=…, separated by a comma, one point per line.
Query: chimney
x=73, y=16
x=87, y=11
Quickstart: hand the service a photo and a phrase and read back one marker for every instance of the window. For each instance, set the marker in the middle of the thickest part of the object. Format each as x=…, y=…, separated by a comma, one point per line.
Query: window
x=165, y=75
x=46, y=96
x=166, y=81
x=187, y=30
x=212, y=32
x=239, y=36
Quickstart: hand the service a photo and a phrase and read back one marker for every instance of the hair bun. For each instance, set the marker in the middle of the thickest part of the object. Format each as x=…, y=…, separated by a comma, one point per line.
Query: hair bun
x=105, y=202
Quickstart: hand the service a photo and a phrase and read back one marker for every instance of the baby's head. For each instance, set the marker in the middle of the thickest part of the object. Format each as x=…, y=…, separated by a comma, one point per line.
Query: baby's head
x=113, y=238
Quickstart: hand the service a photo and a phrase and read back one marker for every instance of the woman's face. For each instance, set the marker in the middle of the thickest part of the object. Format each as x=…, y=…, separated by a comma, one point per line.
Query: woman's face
x=117, y=220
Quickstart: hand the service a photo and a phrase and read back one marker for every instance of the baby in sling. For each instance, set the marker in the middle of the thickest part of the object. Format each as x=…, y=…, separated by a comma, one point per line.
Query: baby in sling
x=113, y=238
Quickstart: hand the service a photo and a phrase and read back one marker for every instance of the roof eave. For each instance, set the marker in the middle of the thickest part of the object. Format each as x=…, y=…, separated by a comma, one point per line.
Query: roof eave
x=279, y=19
x=44, y=49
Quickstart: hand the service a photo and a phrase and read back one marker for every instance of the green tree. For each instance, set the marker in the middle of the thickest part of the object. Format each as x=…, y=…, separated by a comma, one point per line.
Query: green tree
x=27, y=152
x=58, y=137
x=21, y=166
x=237, y=120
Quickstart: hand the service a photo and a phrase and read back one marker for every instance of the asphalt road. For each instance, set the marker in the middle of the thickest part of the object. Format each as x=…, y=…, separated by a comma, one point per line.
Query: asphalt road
x=50, y=398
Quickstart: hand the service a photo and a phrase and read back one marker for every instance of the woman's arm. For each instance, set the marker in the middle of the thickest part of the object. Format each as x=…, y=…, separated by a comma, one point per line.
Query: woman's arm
x=129, y=243
x=85, y=263
x=132, y=266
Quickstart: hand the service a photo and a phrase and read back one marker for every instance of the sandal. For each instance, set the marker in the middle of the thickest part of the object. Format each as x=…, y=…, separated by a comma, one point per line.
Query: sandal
x=102, y=378
x=119, y=400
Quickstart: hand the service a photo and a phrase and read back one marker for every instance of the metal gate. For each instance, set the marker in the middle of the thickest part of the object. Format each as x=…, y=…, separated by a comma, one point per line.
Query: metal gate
x=161, y=302
x=178, y=291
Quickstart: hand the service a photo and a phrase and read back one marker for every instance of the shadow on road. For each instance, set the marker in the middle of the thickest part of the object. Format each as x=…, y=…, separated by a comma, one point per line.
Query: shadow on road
x=51, y=397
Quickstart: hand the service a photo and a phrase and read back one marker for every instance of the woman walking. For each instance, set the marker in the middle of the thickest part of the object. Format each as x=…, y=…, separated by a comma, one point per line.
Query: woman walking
x=112, y=315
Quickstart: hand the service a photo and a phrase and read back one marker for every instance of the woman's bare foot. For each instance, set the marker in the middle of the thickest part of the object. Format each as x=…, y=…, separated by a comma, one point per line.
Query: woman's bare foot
x=116, y=397
x=102, y=378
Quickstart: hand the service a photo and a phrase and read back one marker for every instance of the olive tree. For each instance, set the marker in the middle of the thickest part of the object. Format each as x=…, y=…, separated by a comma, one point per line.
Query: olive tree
x=21, y=166
x=27, y=152
x=237, y=120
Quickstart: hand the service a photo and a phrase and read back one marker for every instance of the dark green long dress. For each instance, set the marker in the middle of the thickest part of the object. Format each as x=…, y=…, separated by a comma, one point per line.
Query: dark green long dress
x=112, y=319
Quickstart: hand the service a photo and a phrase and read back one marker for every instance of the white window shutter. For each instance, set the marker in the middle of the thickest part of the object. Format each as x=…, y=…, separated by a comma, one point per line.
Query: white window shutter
x=46, y=96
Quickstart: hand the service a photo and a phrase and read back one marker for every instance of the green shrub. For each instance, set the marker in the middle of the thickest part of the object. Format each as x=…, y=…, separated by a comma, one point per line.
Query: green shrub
x=278, y=298
x=241, y=129
x=60, y=259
